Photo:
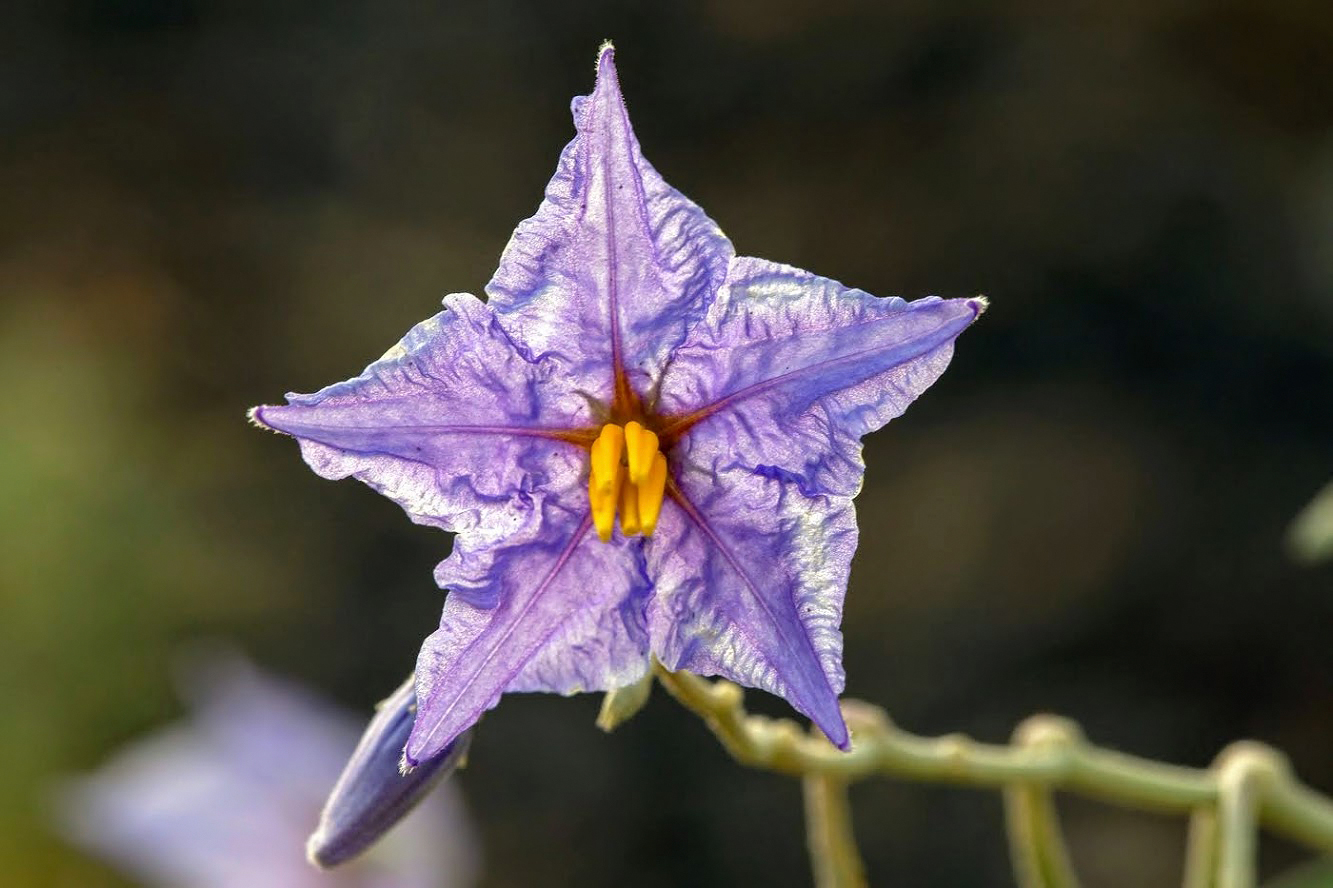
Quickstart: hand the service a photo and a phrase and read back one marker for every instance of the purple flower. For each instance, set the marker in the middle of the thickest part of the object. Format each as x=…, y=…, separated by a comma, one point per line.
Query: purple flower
x=627, y=363
x=228, y=798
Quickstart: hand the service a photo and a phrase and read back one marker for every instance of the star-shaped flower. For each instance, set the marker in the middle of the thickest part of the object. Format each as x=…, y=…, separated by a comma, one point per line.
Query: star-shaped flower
x=628, y=364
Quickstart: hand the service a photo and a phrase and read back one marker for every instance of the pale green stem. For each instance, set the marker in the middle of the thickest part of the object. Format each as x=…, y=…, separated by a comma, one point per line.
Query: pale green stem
x=1036, y=842
x=1072, y=764
x=1036, y=847
x=1201, y=850
x=828, y=827
x=1245, y=773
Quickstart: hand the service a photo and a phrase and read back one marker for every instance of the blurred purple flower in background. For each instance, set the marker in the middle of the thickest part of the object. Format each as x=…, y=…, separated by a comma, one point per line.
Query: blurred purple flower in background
x=227, y=798
x=628, y=364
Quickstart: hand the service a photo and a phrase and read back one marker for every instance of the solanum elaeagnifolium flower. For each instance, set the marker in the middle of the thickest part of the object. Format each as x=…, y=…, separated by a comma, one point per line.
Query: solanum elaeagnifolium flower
x=646, y=444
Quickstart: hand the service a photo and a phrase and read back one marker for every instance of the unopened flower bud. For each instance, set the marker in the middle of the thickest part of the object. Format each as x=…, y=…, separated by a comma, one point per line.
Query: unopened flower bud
x=373, y=793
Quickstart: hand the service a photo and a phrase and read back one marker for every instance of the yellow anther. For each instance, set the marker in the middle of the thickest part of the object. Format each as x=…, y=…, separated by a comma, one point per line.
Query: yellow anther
x=650, y=492
x=629, y=509
x=634, y=487
x=604, y=502
x=640, y=446
x=606, y=453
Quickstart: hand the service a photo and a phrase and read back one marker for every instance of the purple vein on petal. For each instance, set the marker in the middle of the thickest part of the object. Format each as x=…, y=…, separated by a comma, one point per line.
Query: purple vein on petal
x=609, y=106
x=681, y=424
x=460, y=688
x=697, y=519
x=307, y=430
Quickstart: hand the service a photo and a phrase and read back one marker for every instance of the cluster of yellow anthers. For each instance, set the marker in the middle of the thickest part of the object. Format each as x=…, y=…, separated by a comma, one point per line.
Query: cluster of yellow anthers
x=628, y=472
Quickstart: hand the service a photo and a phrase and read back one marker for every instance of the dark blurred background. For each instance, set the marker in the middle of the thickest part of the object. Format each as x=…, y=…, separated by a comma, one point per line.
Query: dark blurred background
x=206, y=204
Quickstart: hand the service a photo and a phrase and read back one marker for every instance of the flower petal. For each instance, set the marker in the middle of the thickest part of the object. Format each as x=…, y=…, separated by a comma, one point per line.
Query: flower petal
x=457, y=424
x=771, y=394
x=616, y=265
x=750, y=582
x=789, y=370
x=559, y=611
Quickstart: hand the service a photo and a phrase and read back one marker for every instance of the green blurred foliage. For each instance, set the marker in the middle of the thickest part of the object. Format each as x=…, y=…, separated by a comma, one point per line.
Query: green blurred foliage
x=1316, y=874
x=113, y=547
x=1311, y=534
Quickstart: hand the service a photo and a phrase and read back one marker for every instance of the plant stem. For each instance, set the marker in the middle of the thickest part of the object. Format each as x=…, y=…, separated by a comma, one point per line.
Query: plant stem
x=828, y=825
x=1064, y=761
x=1201, y=850
x=1036, y=846
x=1036, y=842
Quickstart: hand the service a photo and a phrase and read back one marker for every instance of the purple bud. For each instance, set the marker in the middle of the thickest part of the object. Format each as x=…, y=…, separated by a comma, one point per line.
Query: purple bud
x=373, y=793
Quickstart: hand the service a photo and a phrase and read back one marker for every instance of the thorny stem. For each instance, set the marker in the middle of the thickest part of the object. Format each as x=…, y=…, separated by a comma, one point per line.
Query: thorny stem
x=828, y=827
x=1250, y=784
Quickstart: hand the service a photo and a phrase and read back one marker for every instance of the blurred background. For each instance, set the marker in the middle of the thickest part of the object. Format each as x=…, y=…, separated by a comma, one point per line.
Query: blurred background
x=207, y=204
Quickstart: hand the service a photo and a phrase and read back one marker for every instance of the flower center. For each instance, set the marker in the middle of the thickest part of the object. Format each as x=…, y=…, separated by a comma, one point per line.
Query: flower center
x=628, y=475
